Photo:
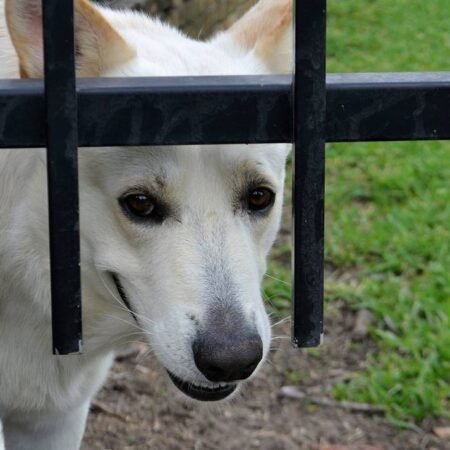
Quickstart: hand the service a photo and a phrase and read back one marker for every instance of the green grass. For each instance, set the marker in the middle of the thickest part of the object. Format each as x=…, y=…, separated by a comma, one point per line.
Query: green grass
x=385, y=35
x=388, y=216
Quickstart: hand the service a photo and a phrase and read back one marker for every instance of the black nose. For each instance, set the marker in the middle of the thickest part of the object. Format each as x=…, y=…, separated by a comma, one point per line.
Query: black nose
x=224, y=358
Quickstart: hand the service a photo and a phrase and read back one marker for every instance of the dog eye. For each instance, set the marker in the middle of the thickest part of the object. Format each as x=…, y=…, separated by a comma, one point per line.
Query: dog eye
x=260, y=199
x=139, y=205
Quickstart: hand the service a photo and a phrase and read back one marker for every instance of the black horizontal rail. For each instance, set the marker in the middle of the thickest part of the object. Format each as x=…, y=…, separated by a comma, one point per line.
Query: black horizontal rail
x=388, y=107
x=254, y=109
x=155, y=111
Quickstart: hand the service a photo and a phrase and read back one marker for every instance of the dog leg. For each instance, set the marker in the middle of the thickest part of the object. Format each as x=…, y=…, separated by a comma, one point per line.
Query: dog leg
x=62, y=431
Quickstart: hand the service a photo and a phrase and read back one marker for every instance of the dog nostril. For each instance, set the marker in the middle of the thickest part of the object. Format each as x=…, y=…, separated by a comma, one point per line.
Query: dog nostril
x=223, y=359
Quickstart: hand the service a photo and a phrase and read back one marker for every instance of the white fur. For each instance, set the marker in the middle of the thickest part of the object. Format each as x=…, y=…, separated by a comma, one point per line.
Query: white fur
x=170, y=272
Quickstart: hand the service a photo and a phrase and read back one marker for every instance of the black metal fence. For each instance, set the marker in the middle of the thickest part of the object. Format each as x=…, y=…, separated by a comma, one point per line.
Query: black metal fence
x=308, y=109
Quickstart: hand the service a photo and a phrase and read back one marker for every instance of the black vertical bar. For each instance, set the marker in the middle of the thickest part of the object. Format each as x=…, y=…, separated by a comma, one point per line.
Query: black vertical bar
x=62, y=166
x=308, y=175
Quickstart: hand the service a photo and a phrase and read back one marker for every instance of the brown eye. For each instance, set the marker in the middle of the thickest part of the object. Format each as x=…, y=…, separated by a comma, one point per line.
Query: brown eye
x=139, y=205
x=260, y=199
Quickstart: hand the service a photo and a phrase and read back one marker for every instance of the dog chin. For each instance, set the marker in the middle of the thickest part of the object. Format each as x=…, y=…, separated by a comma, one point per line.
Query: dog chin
x=203, y=392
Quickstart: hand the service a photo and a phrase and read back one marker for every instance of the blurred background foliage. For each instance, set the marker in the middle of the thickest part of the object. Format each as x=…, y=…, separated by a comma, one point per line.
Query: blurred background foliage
x=198, y=18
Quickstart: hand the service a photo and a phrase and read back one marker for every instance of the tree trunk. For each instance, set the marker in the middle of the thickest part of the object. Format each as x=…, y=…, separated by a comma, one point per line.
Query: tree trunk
x=198, y=18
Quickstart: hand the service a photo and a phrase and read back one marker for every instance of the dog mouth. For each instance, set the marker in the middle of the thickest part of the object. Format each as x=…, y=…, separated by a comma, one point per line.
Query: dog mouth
x=123, y=295
x=196, y=391
x=200, y=392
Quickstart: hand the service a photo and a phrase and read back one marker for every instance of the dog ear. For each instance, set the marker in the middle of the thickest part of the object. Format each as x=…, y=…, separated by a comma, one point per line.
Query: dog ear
x=98, y=46
x=267, y=30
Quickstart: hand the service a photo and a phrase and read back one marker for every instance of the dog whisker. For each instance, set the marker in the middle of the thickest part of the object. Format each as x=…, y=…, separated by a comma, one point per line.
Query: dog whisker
x=269, y=301
x=134, y=325
x=283, y=320
x=152, y=322
x=149, y=352
x=280, y=337
x=113, y=295
x=120, y=341
x=120, y=302
x=275, y=295
x=277, y=279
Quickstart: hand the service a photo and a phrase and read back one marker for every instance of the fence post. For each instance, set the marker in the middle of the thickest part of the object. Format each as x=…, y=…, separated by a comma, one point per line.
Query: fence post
x=308, y=171
x=62, y=167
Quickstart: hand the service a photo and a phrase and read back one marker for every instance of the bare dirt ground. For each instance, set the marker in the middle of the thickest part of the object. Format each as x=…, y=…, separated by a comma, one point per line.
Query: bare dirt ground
x=139, y=409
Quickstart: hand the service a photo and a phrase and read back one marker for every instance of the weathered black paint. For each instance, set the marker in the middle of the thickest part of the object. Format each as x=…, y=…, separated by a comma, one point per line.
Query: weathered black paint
x=388, y=107
x=62, y=166
x=200, y=110
x=308, y=172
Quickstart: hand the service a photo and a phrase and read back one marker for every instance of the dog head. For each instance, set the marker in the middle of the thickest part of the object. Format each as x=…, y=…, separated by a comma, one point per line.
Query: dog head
x=174, y=240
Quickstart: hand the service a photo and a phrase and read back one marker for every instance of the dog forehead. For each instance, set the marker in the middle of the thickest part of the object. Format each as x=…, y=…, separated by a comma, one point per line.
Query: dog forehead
x=174, y=166
x=178, y=160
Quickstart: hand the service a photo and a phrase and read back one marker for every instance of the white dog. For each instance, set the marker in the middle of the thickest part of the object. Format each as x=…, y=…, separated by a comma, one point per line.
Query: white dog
x=173, y=240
